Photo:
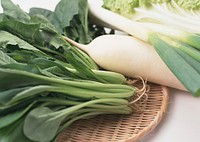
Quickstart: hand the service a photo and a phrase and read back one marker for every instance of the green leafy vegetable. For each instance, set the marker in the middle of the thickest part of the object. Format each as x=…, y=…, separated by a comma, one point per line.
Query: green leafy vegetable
x=48, y=83
x=50, y=120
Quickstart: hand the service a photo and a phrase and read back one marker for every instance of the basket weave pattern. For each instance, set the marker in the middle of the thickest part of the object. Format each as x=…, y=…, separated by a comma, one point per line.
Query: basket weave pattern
x=121, y=128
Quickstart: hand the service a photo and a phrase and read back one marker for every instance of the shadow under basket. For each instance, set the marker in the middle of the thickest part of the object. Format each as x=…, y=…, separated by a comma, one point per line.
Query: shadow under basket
x=121, y=128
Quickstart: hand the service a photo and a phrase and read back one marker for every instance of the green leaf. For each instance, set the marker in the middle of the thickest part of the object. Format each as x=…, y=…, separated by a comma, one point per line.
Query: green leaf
x=32, y=68
x=28, y=93
x=194, y=53
x=38, y=121
x=43, y=20
x=48, y=14
x=10, y=39
x=28, y=32
x=7, y=95
x=24, y=56
x=73, y=23
x=44, y=39
x=6, y=109
x=40, y=11
x=189, y=77
x=23, y=67
x=14, y=132
x=2, y=16
x=78, y=27
x=62, y=13
x=5, y=59
x=192, y=40
x=80, y=66
x=194, y=63
x=59, y=68
x=16, y=78
x=13, y=11
x=13, y=117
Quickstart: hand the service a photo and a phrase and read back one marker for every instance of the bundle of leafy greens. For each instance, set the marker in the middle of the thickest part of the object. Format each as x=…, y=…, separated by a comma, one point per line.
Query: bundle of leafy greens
x=171, y=26
x=46, y=83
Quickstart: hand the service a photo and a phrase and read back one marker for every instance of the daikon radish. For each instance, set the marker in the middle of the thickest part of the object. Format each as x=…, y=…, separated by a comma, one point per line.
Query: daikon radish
x=131, y=57
x=176, y=40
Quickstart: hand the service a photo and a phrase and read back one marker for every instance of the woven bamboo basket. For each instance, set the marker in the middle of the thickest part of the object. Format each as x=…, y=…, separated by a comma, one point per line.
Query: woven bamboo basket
x=121, y=128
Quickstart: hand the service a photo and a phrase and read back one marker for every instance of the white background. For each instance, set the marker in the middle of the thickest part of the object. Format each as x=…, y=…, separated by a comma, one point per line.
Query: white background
x=182, y=120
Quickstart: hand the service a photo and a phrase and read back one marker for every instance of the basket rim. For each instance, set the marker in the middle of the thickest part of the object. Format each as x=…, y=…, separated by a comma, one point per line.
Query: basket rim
x=157, y=120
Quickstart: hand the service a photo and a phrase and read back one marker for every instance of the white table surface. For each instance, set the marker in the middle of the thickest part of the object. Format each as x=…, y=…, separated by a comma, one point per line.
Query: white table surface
x=182, y=120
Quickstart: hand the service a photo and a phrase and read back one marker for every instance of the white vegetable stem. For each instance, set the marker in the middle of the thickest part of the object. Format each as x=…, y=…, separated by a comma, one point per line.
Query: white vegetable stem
x=162, y=14
x=115, y=21
x=131, y=57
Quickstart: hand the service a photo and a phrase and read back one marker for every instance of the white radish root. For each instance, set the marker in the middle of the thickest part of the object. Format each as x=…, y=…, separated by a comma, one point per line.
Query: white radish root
x=130, y=57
